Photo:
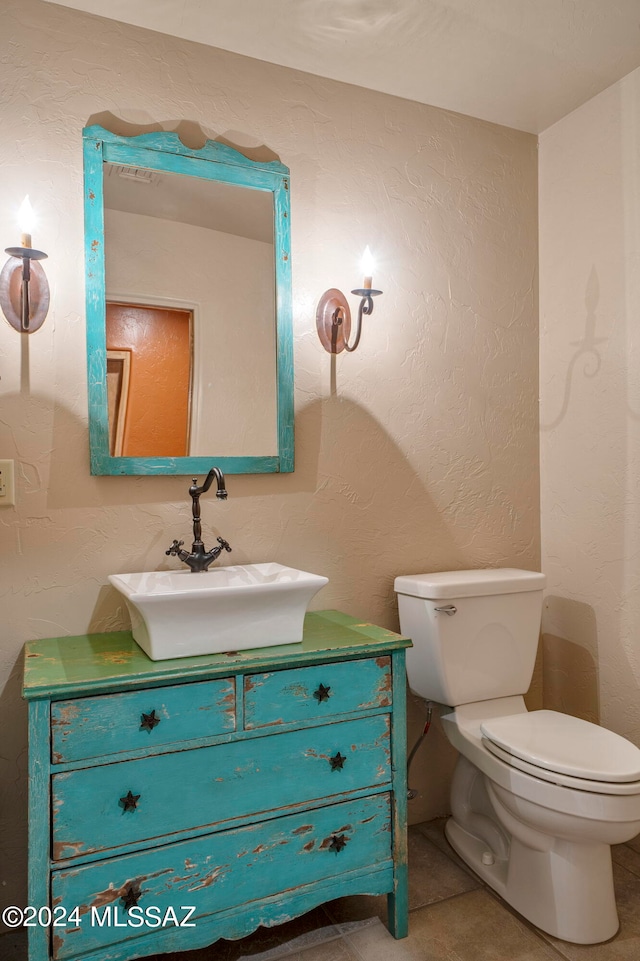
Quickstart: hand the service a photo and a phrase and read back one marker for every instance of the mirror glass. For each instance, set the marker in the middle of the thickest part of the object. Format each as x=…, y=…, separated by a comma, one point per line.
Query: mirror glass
x=190, y=294
x=189, y=325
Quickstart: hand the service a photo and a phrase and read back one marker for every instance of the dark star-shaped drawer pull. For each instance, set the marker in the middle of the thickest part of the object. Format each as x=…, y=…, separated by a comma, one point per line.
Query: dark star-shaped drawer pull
x=130, y=801
x=337, y=761
x=322, y=694
x=338, y=843
x=149, y=721
x=131, y=897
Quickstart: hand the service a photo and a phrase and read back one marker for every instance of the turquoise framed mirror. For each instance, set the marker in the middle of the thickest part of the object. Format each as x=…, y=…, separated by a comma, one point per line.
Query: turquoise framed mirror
x=189, y=324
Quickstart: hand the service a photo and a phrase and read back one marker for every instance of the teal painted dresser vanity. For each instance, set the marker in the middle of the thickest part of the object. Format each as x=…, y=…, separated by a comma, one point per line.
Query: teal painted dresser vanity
x=172, y=803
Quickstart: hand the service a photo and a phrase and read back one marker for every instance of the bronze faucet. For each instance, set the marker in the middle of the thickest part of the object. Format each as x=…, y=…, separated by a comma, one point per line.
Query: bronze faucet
x=199, y=559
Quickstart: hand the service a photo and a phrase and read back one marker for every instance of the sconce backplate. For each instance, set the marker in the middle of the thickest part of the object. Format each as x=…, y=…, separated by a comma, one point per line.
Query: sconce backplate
x=10, y=294
x=333, y=320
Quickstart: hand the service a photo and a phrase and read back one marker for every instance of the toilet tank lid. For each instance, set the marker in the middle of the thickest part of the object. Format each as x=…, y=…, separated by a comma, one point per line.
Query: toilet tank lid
x=448, y=584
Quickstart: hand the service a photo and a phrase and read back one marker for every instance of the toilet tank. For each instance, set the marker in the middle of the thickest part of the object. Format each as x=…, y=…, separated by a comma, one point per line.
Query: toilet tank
x=475, y=633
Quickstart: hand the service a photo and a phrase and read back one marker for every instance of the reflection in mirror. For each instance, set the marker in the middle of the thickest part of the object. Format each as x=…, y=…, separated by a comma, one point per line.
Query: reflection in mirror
x=167, y=236
x=150, y=408
x=189, y=309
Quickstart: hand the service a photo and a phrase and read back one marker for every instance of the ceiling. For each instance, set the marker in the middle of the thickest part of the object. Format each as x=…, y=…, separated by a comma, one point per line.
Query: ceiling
x=522, y=63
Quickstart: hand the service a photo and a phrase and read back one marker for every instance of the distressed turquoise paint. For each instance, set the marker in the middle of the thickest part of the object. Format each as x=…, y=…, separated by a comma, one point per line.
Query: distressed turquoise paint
x=199, y=800
x=193, y=789
x=284, y=322
x=237, y=923
x=108, y=724
x=228, y=869
x=215, y=161
x=136, y=846
x=398, y=898
x=169, y=142
x=39, y=799
x=281, y=697
x=95, y=298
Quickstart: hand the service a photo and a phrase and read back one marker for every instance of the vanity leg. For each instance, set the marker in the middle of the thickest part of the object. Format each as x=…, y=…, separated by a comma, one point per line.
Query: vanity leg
x=39, y=800
x=398, y=899
x=398, y=911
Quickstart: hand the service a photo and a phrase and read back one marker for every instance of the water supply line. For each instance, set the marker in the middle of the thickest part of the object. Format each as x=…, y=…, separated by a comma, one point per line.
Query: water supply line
x=411, y=794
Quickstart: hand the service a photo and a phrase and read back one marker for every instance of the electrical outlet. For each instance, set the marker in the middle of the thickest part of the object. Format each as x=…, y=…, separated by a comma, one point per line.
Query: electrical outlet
x=7, y=484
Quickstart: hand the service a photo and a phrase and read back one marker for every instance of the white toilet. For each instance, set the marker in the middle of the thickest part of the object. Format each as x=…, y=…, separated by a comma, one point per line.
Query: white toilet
x=537, y=797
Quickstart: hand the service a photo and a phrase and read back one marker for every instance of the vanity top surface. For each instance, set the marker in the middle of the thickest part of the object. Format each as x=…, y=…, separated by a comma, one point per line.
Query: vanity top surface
x=59, y=666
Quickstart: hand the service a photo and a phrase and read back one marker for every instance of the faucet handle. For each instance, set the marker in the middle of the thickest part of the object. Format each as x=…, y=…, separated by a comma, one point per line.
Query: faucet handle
x=175, y=547
x=224, y=544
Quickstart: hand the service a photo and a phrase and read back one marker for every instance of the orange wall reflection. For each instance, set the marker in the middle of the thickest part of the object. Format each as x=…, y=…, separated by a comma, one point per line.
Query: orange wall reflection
x=156, y=422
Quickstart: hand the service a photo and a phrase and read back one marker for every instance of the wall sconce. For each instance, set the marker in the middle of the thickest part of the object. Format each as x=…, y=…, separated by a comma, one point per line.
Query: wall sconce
x=24, y=289
x=333, y=317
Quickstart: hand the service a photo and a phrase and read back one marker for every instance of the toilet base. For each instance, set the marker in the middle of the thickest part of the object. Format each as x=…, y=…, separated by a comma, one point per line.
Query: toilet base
x=471, y=850
x=566, y=891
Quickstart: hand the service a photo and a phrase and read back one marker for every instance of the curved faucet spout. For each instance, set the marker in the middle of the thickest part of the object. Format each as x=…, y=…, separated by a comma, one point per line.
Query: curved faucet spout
x=199, y=559
x=195, y=491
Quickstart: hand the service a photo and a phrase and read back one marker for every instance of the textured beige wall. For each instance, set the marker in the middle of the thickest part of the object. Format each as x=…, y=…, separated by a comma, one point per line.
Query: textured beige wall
x=418, y=452
x=590, y=414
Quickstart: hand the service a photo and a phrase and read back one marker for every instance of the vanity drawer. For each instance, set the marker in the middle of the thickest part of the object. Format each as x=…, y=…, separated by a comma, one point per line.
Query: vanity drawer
x=89, y=727
x=316, y=693
x=221, y=871
x=130, y=801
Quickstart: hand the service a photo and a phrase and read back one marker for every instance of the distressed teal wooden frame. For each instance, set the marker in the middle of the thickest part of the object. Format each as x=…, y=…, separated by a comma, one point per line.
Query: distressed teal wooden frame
x=215, y=161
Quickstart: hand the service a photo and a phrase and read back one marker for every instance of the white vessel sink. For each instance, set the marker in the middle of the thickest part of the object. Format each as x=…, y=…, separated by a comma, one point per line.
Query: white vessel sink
x=180, y=614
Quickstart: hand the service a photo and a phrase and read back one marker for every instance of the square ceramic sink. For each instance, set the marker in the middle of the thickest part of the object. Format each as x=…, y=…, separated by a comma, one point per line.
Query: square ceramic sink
x=180, y=614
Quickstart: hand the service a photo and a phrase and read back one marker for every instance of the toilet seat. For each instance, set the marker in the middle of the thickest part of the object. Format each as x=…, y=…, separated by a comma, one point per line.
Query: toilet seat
x=565, y=750
x=609, y=788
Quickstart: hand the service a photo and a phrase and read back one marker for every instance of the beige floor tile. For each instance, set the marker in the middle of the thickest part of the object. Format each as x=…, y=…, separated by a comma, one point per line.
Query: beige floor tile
x=475, y=927
x=627, y=857
x=329, y=951
x=371, y=941
x=433, y=874
x=304, y=945
x=635, y=843
x=434, y=831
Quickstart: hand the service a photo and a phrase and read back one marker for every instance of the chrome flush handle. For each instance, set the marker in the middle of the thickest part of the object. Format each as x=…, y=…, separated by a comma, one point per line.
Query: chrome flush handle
x=449, y=609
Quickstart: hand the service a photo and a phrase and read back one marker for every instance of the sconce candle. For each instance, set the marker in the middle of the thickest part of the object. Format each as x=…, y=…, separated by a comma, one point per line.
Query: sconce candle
x=333, y=317
x=24, y=291
x=26, y=220
x=367, y=267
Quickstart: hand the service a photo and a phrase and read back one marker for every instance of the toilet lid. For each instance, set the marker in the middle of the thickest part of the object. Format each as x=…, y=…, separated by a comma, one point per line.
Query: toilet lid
x=566, y=745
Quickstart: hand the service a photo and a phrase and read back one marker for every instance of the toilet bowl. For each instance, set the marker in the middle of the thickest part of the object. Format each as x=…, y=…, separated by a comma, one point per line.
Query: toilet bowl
x=540, y=838
x=537, y=797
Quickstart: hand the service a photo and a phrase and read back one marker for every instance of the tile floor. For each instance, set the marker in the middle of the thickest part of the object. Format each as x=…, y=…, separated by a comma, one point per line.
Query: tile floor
x=454, y=917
